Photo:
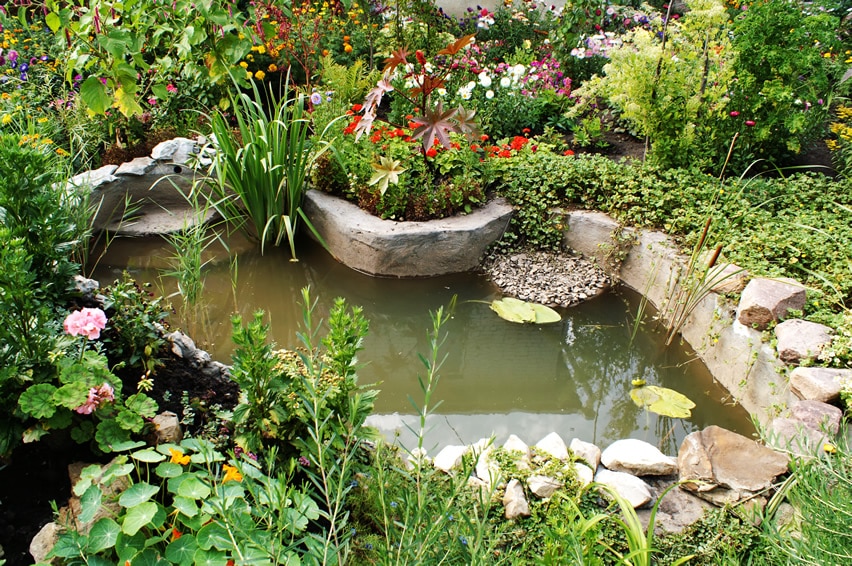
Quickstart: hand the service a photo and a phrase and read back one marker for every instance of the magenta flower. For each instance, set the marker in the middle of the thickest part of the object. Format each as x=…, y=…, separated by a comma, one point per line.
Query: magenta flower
x=734, y=113
x=171, y=88
x=749, y=123
x=85, y=322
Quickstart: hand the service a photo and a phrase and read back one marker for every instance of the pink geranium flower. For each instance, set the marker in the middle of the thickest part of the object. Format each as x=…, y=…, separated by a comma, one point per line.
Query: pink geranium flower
x=85, y=322
x=97, y=396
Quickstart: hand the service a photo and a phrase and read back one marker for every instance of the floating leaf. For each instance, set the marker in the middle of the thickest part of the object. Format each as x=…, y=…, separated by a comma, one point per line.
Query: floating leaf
x=516, y=310
x=663, y=401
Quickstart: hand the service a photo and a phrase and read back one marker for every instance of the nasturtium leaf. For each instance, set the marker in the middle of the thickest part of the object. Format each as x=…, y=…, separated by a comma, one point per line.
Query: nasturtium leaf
x=168, y=470
x=37, y=401
x=90, y=503
x=137, y=494
x=516, y=310
x=185, y=505
x=180, y=551
x=94, y=95
x=662, y=401
x=150, y=557
x=98, y=561
x=209, y=558
x=138, y=516
x=213, y=535
x=103, y=535
x=149, y=455
x=193, y=488
x=127, y=445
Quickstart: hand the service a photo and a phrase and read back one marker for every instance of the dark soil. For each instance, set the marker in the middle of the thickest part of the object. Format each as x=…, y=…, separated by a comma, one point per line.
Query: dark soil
x=37, y=477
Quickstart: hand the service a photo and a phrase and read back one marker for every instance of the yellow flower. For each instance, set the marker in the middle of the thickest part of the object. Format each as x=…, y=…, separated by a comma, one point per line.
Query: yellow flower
x=6, y=119
x=249, y=75
x=178, y=457
x=259, y=75
x=231, y=473
x=829, y=448
x=272, y=67
x=243, y=64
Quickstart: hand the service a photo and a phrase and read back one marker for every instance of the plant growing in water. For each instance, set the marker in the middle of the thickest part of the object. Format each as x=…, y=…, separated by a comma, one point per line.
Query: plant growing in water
x=261, y=182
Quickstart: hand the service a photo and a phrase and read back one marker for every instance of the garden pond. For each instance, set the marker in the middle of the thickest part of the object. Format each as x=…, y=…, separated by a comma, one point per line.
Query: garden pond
x=498, y=378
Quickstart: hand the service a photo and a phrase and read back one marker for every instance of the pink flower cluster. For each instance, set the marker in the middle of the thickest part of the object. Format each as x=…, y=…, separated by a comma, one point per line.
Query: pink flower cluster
x=85, y=322
x=97, y=396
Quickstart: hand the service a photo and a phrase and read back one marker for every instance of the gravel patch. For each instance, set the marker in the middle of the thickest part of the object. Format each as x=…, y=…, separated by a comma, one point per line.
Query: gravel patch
x=552, y=279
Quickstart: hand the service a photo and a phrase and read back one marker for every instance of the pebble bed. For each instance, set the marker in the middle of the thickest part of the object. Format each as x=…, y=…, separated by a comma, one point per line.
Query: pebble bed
x=552, y=279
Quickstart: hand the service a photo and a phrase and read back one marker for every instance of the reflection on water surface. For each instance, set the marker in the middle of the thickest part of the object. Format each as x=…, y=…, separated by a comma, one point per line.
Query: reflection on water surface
x=499, y=378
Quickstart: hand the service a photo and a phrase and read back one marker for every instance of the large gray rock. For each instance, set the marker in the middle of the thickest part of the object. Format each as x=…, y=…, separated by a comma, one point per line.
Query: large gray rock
x=405, y=249
x=637, y=457
x=800, y=340
x=167, y=428
x=585, y=475
x=94, y=178
x=543, y=486
x=677, y=509
x=817, y=415
x=794, y=436
x=137, y=167
x=587, y=452
x=819, y=384
x=177, y=150
x=515, y=501
x=631, y=488
x=768, y=300
x=724, y=462
x=44, y=541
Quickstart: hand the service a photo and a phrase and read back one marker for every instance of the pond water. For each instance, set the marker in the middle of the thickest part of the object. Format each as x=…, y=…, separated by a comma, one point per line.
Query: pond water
x=499, y=378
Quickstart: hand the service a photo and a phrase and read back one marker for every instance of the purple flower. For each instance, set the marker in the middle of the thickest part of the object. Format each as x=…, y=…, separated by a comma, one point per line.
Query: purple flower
x=304, y=462
x=13, y=56
x=316, y=99
x=24, y=67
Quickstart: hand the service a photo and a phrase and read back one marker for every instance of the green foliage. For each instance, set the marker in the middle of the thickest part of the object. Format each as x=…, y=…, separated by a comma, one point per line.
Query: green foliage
x=138, y=49
x=261, y=179
x=187, y=504
x=135, y=336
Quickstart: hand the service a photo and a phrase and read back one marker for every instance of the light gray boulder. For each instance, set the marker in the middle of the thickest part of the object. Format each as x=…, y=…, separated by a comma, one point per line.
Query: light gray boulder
x=449, y=458
x=632, y=489
x=543, y=486
x=177, y=150
x=800, y=340
x=136, y=167
x=167, y=428
x=794, y=436
x=587, y=452
x=515, y=502
x=637, y=457
x=768, y=300
x=94, y=178
x=585, y=475
x=817, y=415
x=819, y=384
x=552, y=445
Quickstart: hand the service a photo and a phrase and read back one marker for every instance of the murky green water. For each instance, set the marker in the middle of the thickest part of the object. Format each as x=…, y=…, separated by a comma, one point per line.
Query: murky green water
x=499, y=378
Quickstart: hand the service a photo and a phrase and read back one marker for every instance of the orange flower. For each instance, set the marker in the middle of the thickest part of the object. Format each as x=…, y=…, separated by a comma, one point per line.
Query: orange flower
x=231, y=474
x=347, y=48
x=178, y=457
x=176, y=534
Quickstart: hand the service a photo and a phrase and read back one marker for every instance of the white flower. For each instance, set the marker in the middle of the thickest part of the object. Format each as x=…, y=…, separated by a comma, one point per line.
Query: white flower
x=505, y=82
x=518, y=70
x=428, y=67
x=489, y=94
x=442, y=92
x=470, y=86
x=464, y=94
x=484, y=79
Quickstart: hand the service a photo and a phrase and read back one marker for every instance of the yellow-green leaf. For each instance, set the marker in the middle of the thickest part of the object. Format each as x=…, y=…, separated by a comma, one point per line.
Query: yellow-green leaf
x=663, y=401
x=516, y=310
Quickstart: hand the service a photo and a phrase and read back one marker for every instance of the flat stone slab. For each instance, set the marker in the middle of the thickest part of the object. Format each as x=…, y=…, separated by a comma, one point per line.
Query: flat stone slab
x=371, y=245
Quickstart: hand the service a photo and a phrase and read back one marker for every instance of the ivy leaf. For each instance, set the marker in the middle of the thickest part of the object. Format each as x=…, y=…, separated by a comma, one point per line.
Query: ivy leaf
x=37, y=401
x=663, y=401
x=71, y=395
x=435, y=124
x=387, y=172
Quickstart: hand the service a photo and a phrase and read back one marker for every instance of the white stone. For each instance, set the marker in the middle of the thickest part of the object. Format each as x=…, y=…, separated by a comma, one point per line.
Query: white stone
x=552, y=445
x=176, y=150
x=515, y=501
x=543, y=486
x=585, y=475
x=635, y=491
x=486, y=468
x=136, y=167
x=800, y=339
x=587, y=452
x=449, y=458
x=94, y=178
x=514, y=443
x=637, y=457
x=819, y=384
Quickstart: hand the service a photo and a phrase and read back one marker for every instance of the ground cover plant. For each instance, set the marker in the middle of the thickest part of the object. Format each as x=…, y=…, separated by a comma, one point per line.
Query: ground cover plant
x=493, y=102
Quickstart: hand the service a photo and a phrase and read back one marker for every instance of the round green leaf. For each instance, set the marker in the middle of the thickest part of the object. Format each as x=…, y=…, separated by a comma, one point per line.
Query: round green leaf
x=103, y=535
x=149, y=455
x=138, y=516
x=515, y=310
x=193, y=488
x=37, y=401
x=168, y=470
x=662, y=401
x=181, y=551
x=137, y=493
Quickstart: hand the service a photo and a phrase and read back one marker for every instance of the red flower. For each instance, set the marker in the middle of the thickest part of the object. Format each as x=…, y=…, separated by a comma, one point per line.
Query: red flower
x=420, y=57
x=518, y=143
x=483, y=137
x=455, y=145
x=525, y=131
x=357, y=107
x=505, y=153
x=734, y=113
x=352, y=125
x=176, y=534
x=431, y=152
x=567, y=152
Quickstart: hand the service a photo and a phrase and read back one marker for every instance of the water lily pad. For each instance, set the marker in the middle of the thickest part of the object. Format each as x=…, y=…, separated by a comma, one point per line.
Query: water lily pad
x=516, y=310
x=663, y=401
